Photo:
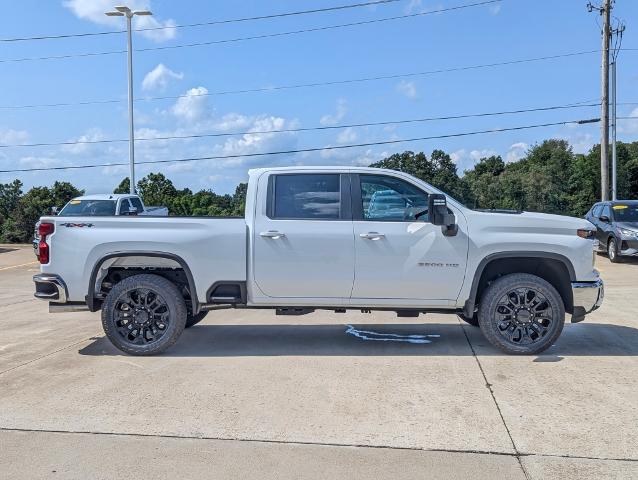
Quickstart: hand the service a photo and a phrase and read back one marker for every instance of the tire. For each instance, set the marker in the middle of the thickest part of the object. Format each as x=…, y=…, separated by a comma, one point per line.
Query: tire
x=195, y=319
x=144, y=315
x=612, y=251
x=521, y=314
x=471, y=321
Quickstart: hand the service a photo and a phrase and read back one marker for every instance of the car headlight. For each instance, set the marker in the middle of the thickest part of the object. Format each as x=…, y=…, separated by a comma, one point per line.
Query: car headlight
x=628, y=233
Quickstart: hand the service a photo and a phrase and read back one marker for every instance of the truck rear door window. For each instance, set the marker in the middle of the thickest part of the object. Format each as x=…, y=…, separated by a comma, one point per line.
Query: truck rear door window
x=307, y=196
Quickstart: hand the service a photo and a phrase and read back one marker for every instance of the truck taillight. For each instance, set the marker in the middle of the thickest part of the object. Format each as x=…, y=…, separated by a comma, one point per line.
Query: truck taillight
x=44, y=253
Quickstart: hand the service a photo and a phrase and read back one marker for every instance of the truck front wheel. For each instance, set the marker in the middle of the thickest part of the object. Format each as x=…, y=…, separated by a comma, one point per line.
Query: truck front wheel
x=521, y=314
x=195, y=319
x=144, y=314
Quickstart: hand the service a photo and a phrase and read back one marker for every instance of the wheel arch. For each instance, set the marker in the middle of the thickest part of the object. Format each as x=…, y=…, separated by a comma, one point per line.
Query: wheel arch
x=94, y=303
x=557, y=269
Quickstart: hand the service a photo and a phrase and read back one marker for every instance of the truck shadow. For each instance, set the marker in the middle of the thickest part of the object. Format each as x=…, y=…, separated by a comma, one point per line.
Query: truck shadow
x=429, y=339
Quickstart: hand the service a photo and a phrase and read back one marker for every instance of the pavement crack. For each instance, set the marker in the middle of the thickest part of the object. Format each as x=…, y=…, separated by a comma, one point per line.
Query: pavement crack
x=309, y=443
x=47, y=354
x=488, y=385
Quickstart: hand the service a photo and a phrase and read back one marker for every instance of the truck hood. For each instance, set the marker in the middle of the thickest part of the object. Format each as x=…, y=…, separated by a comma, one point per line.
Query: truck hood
x=530, y=222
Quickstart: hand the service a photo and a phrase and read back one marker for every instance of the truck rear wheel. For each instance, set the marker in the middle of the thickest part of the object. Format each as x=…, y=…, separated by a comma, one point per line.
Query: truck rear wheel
x=144, y=314
x=521, y=314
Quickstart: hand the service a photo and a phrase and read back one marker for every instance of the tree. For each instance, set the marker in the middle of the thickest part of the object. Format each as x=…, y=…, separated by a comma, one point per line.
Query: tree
x=239, y=200
x=10, y=194
x=483, y=183
x=156, y=189
x=124, y=186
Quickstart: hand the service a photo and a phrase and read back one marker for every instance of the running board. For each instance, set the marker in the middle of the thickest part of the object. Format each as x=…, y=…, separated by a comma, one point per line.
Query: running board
x=67, y=307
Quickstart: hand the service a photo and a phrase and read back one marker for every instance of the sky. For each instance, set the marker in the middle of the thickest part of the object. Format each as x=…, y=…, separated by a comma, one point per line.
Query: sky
x=202, y=77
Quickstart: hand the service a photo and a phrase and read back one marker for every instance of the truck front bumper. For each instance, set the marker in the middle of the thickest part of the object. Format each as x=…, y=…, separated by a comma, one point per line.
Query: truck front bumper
x=50, y=287
x=588, y=296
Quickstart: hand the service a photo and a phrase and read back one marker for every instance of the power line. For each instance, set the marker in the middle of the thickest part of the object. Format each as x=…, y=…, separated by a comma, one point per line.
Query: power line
x=313, y=84
x=255, y=37
x=309, y=129
x=306, y=150
x=201, y=24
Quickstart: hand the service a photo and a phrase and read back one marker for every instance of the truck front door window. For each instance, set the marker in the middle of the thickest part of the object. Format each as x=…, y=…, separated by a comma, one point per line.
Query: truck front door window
x=390, y=199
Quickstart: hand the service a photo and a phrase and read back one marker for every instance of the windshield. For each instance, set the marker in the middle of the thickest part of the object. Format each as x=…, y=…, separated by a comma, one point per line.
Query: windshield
x=78, y=208
x=626, y=213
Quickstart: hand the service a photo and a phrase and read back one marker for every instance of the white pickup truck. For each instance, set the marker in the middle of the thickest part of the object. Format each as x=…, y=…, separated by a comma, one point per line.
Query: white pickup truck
x=108, y=205
x=325, y=238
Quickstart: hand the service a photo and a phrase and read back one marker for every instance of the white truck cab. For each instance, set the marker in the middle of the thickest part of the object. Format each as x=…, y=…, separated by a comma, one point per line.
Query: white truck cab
x=325, y=238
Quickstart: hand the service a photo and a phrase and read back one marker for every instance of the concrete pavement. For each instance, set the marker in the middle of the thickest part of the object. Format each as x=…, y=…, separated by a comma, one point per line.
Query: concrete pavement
x=247, y=394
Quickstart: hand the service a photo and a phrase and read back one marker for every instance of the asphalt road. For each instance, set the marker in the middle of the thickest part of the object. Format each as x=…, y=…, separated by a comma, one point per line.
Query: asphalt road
x=247, y=394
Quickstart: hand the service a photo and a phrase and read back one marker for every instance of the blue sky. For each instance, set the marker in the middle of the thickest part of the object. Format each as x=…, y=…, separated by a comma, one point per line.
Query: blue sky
x=509, y=30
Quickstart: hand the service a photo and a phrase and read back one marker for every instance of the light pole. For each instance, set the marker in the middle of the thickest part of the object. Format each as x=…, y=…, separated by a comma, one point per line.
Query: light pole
x=123, y=11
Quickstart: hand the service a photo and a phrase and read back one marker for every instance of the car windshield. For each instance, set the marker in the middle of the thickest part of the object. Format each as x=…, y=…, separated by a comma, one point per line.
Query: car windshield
x=78, y=208
x=626, y=213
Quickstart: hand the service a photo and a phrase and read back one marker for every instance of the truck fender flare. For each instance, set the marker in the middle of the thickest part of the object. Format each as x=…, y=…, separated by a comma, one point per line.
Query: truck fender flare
x=470, y=303
x=90, y=298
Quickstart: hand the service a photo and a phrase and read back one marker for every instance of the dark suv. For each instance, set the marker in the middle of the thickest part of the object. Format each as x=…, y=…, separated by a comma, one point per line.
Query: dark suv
x=617, y=227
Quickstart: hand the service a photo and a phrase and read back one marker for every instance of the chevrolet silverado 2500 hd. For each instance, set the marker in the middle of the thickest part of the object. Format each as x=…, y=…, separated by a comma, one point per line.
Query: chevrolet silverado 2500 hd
x=325, y=238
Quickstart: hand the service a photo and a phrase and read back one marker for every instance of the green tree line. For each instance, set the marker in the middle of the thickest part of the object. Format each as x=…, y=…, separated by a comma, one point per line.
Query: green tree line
x=550, y=178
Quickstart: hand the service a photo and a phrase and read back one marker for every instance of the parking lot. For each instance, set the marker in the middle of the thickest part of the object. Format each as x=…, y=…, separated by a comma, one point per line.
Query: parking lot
x=249, y=394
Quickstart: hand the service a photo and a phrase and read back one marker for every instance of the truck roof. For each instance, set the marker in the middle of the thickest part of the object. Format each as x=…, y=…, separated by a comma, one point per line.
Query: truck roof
x=105, y=196
x=331, y=168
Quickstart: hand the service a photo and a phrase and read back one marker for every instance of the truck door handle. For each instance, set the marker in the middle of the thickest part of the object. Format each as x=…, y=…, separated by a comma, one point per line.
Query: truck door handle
x=274, y=234
x=372, y=235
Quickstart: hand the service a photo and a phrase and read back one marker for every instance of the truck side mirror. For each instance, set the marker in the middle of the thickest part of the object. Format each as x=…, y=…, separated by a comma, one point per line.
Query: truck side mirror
x=440, y=215
x=604, y=218
x=132, y=211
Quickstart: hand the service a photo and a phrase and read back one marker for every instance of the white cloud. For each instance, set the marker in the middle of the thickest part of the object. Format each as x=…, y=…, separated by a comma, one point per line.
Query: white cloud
x=347, y=135
x=162, y=30
x=516, y=152
x=473, y=156
x=232, y=121
x=495, y=9
x=159, y=77
x=629, y=126
x=581, y=142
x=92, y=135
x=93, y=11
x=38, y=162
x=416, y=6
x=413, y=6
x=465, y=160
x=333, y=119
x=12, y=136
x=193, y=106
x=407, y=88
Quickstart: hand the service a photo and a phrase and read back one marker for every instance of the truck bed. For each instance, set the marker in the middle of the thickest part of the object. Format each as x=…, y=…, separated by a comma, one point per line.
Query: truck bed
x=213, y=248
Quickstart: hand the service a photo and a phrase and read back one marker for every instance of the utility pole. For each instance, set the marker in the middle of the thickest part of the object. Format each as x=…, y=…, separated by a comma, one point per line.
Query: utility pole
x=618, y=33
x=123, y=11
x=605, y=12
